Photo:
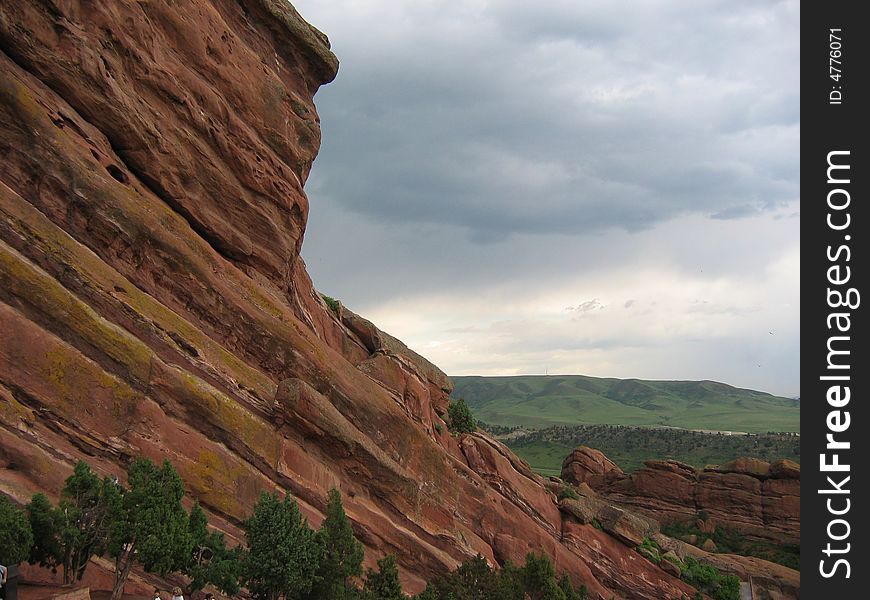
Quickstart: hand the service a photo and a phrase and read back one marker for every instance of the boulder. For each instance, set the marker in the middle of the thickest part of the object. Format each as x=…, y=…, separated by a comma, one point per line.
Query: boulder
x=668, y=564
x=587, y=465
x=582, y=509
x=785, y=469
x=630, y=528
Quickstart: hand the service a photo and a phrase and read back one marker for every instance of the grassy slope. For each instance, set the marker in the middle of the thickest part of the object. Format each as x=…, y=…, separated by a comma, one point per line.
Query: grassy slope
x=541, y=401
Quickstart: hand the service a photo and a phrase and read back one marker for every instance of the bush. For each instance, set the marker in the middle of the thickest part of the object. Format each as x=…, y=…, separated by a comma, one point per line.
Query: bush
x=568, y=492
x=650, y=550
x=333, y=304
x=731, y=541
x=707, y=579
x=438, y=428
x=461, y=419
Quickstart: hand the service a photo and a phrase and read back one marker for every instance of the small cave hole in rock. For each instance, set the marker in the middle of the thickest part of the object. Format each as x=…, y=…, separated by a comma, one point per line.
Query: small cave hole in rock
x=118, y=174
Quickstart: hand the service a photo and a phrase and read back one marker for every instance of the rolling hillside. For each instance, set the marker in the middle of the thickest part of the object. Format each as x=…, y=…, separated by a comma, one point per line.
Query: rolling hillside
x=540, y=401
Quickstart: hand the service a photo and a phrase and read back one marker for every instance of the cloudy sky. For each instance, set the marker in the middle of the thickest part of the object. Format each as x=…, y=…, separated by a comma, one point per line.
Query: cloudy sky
x=604, y=188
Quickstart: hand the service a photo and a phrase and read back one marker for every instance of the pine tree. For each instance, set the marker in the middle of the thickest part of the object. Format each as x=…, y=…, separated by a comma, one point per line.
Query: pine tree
x=16, y=537
x=384, y=584
x=210, y=560
x=430, y=593
x=461, y=419
x=150, y=525
x=539, y=578
x=283, y=552
x=569, y=591
x=474, y=579
x=86, y=510
x=342, y=553
x=510, y=582
x=45, y=523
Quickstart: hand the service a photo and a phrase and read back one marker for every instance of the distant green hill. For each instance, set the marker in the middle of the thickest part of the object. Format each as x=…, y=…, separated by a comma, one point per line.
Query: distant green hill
x=541, y=401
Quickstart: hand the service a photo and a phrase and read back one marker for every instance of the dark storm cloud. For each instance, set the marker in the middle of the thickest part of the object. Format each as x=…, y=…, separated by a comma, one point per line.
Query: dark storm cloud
x=569, y=117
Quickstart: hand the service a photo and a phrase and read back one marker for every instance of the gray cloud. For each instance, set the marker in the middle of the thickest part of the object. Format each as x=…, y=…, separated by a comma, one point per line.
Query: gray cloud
x=506, y=148
x=566, y=118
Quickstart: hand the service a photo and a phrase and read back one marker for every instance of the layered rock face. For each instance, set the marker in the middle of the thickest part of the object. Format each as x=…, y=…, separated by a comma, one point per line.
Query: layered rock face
x=153, y=301
x=768, y=580
x=759, y=499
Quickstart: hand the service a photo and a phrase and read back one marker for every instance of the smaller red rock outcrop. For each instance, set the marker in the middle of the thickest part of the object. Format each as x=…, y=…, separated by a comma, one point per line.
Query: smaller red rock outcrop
x=602, y=525
x=759, y=499
x=587, y=465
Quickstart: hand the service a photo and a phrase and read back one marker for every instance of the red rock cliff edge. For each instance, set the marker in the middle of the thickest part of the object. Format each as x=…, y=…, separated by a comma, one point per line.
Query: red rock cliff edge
x=153, y=301
x=759, y=499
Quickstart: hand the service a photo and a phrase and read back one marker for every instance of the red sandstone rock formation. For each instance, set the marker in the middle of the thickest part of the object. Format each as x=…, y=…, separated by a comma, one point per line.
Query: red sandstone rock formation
x=153, y=301
x=590, y=466
x=759, y=499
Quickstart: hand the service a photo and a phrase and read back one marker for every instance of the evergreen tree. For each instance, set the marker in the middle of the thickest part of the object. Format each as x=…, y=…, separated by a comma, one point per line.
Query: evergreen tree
x=46, y=524
x=539, y=578
x=150, y=524
x=86, y=511
x=461, y=419
x=510, y=582
x=210, y=560
x=78, y=528
x=283, y=551
x=342, y=553
x=569, y=591
x=430, y=593
x=472, y=580
x=16, y=537
x=383, y=584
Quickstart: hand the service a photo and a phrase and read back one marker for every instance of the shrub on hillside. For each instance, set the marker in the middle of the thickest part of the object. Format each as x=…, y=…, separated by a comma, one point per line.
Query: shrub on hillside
x=568, y=492
x=461, y=419
x=331, y=302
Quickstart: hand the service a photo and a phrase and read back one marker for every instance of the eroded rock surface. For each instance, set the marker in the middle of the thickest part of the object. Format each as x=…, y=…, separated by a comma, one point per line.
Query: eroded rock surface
x=759, y=499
